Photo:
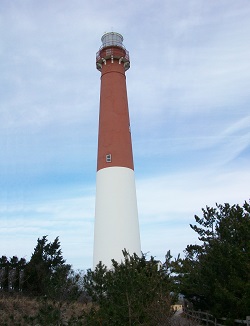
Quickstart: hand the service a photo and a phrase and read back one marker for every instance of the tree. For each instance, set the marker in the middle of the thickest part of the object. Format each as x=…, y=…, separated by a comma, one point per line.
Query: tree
x=133, y=292
x=215, y=275
x=15, y=274
x=47, y=273
x=4, y=271
x=11, y=273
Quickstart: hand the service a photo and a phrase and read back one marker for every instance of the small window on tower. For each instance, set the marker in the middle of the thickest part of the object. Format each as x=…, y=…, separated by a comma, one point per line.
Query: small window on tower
x=108, y=158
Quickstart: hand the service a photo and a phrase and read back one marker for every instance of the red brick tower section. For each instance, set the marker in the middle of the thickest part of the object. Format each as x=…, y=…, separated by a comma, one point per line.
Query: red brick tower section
x=114, y=141
x=116, y=216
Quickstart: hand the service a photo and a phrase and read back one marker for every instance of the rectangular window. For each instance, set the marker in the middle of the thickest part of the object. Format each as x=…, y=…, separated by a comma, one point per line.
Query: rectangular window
x=108, y=158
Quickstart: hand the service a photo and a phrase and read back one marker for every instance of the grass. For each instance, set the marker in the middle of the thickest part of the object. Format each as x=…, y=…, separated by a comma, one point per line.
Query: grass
x=20, y=310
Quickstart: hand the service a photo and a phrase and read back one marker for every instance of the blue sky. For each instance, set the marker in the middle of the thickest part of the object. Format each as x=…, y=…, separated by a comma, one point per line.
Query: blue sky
x=189, y=94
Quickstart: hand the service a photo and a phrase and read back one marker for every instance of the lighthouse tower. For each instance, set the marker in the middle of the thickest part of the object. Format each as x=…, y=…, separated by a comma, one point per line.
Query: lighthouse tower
x=116, y=216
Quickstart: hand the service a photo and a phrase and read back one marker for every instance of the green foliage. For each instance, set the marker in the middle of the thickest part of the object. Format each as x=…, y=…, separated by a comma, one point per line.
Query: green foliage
x=134, y=292
x=11, y=272
x=4, y=271
x=215, y=275
x=47, y=273
x=49, y=313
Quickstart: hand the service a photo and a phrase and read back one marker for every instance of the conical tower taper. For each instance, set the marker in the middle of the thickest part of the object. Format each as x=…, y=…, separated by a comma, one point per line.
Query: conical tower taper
x=116, y=216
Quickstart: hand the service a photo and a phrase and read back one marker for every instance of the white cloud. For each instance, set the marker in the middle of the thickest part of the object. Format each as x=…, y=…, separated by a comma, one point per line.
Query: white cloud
x=165, y=197
x=71, y=219
x=167, y=205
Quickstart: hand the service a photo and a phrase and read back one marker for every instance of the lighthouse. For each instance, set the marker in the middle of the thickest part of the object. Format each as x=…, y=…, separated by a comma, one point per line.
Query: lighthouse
x=116, y=215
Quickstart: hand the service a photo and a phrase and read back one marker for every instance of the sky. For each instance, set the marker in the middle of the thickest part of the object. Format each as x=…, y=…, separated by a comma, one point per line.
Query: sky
x=189, y=93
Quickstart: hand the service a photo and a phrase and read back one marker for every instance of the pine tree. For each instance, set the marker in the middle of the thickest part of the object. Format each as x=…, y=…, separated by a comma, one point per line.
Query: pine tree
x=46, y=273
x=215, y=275
x=133, y=292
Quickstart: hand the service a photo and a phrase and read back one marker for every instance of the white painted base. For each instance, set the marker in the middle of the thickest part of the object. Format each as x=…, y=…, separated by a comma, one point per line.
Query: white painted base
x=116, y=216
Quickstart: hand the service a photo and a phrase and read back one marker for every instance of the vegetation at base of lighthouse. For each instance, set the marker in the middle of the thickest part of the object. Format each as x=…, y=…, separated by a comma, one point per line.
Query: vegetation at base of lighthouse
x=134, y=292
x=214, y=276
